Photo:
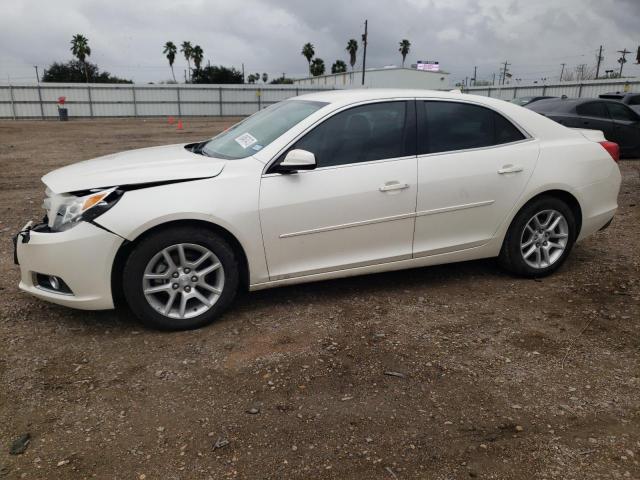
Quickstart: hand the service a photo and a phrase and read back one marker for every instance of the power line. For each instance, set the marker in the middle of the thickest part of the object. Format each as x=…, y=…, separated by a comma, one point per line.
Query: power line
x=622, y=60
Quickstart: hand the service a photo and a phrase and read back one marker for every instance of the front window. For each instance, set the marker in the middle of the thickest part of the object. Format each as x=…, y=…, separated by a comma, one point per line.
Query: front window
x=260, y=129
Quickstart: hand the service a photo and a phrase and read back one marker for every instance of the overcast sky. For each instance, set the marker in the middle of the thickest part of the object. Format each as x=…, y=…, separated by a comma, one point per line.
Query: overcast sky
x=126, y=36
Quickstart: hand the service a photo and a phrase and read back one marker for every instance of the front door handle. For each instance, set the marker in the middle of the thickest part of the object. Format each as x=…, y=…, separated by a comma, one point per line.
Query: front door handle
x=510, y=169
x=390, y=186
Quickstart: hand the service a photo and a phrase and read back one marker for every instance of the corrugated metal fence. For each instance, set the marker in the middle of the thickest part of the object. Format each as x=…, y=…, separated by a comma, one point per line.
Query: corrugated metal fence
x=585, y=88
x=125, y=100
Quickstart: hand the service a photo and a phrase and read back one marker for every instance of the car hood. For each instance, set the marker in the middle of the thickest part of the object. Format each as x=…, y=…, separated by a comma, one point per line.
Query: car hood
x=146, y=165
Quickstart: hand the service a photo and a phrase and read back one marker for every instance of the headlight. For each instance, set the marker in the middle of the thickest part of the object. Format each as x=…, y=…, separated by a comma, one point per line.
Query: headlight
x=66, y=210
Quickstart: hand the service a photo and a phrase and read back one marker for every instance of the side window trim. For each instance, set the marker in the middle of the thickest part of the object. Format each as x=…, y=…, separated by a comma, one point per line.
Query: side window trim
x=410, y=106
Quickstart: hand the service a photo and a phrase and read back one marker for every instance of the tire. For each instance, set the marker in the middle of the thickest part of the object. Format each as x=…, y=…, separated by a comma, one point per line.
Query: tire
x=166, y=287
x=513, y=255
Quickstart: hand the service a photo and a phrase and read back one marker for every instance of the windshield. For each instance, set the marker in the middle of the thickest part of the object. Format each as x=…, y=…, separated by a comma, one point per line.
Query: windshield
x=522, y=100
x=260, y=129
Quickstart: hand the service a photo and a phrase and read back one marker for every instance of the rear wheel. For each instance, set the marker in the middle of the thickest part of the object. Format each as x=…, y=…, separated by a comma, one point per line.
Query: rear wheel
x=180, y=279
x=539, y=238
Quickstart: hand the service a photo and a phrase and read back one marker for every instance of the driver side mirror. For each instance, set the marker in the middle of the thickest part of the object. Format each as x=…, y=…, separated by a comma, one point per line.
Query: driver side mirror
x=297, y=160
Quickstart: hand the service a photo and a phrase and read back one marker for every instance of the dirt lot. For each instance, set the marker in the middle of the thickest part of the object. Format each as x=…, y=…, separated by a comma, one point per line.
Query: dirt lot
x=497, y=377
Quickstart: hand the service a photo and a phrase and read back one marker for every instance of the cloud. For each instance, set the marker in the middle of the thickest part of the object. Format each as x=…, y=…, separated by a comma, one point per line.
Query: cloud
x=126, y=36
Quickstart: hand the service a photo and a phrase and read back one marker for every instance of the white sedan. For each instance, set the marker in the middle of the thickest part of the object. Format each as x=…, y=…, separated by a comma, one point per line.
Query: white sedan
x=321, y=186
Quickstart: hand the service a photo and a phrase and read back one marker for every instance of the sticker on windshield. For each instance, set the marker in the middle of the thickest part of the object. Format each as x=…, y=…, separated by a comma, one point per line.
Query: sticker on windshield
x=246, y=140
x=257, y=147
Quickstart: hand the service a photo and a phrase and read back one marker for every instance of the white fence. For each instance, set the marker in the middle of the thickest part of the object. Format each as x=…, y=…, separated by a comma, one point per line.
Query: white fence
x=585, y=88
x=130, y=100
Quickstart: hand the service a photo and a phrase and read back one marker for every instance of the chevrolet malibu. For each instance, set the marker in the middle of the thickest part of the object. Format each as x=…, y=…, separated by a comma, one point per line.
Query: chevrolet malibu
x=321, y=186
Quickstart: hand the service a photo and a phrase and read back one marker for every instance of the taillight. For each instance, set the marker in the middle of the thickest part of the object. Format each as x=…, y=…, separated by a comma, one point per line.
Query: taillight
x=612, y=148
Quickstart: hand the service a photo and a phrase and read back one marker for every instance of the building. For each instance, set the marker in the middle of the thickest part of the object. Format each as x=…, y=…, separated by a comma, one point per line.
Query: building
x=391, y=77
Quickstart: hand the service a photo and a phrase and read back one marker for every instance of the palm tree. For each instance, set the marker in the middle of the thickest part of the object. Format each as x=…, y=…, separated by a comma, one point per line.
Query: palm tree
x=265, y=77
x=308, y=52
x=187, y=51
x=352, y=48
x=197, y=55
x=80, y=49
x=170, y=51
x=251, y=78
x=339, y=67
x=405, y=45
x=317, y=67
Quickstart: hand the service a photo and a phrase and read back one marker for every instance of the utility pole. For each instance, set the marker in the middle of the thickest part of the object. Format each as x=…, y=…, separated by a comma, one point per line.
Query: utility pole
x=622, y=60
x=475, y=71
x=493, y=82
x=505, y=71
x=242, y=72
x=581, y=70
x=600, y=58
x=37, y=76
x=364, y=54
x=562, y=71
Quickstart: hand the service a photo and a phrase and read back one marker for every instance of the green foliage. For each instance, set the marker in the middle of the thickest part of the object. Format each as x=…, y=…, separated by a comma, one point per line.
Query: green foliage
x=80, y=47
x=308, y=52
x=352, y=48
x=317, y=67
x=170, y=50
x=339, y=67
x=405, y=46
x=187, y=50
x=281, y=81
x=219, y=74
x=75, y=71
x=197, y=55
x=81, y=50
x=265, y=77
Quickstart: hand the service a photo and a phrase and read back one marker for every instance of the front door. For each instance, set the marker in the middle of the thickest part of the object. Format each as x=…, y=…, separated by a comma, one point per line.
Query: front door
x=357, y=207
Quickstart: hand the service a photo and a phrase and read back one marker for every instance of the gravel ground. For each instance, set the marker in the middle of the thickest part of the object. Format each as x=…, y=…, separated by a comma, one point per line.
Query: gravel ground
x=449, y=372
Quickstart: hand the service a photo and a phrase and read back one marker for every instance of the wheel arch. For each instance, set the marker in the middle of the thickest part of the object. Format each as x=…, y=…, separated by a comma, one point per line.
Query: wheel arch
x=559, y=193
x=127, y=247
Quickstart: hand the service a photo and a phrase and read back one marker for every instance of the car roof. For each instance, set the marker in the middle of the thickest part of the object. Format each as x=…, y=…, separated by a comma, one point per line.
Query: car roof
x=364, y=94
x=564, y=104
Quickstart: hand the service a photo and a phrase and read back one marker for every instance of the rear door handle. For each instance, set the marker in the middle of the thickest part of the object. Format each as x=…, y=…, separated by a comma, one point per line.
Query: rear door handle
x=390, y=186
x=510, y=169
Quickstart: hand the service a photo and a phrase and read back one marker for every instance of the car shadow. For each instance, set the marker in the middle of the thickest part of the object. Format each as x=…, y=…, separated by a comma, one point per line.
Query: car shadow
x=417, y=280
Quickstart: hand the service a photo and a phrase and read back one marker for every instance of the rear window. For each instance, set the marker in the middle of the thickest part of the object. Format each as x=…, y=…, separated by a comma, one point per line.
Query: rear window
x=634, y=100
x=551, y=105
x=620, y=111
x=593, y=109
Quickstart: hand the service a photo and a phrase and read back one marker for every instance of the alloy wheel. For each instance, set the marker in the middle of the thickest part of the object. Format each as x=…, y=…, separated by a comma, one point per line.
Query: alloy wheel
x=183, y=280
x=544, y=239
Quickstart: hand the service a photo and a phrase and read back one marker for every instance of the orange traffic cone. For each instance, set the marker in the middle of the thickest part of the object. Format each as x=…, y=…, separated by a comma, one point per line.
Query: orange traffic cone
x=180, y=124
x=171, y=120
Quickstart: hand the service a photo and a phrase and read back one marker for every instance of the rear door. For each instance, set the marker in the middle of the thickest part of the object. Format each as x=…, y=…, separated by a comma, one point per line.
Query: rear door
x=473, y=165
x=626, y=125
x=594, y=116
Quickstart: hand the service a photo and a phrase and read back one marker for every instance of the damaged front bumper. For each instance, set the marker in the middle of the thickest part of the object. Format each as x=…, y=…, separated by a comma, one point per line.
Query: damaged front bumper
x=71, y=268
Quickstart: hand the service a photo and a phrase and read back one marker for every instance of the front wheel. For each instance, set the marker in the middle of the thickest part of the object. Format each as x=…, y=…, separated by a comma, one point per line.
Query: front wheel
x=540, y=238
x=180, y=279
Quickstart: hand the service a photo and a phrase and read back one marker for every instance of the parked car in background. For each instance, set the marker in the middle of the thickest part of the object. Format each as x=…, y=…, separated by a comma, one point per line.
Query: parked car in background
x=630, y=99
x=616, y=120
x=522, y=101
x=326, y=185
